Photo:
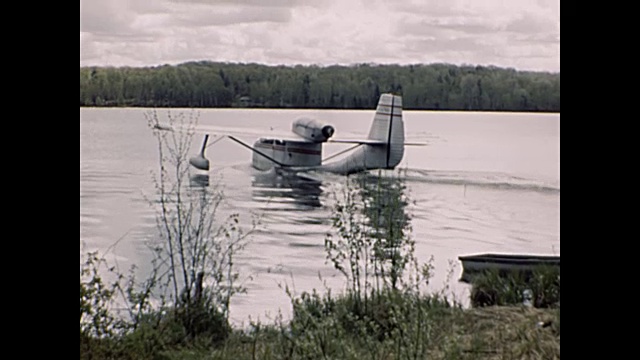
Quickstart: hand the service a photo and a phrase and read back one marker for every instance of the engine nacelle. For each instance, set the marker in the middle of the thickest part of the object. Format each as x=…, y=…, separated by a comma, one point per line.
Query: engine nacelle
x=313, y=130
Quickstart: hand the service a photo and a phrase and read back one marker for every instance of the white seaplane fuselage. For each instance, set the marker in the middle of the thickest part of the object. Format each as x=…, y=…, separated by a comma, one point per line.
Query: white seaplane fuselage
x=302, y=151
x=382, y=149
x=287, y=152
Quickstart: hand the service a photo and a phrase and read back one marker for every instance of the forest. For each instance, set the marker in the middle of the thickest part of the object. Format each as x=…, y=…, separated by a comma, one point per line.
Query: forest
x=423, y=86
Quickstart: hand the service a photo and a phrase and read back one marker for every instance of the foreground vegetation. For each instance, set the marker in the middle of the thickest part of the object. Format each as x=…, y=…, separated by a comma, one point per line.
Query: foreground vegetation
x=393, y=325
x=427, y=87
x=398, y=326
x=180, y=311
x=424, y=331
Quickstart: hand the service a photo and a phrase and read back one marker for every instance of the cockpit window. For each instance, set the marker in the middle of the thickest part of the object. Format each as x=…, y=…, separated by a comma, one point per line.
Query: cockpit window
x=272, y=141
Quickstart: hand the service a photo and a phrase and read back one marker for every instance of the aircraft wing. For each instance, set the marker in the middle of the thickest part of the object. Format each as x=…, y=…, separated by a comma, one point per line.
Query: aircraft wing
x=215, y=131
x=280, y=134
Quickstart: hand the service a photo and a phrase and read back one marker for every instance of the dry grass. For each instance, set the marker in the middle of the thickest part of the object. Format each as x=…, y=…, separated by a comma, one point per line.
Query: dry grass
x=508, y=332
x=486, y=333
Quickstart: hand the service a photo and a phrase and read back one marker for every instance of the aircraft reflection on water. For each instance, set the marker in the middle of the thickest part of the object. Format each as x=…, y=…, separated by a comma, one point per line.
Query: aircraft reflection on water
x=199, y=181
x=275, y=186
x=383, y=193
x=284, y=187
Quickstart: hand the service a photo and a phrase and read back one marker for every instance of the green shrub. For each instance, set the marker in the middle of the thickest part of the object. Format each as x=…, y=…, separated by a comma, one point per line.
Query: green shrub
x=542, y=285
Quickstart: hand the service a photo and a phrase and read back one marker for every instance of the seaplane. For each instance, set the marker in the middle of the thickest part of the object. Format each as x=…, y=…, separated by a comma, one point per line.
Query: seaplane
x=302, y=150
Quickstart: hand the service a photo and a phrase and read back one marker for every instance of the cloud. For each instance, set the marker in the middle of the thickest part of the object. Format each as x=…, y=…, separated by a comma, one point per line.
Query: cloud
x=139, y=32
x=105, y=17
x=212, y=16
x=259, y=3
x=529, y=23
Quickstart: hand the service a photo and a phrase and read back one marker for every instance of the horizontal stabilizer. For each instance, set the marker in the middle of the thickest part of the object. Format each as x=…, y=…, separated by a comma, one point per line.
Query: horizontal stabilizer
x=361, y=142
x=416, y=144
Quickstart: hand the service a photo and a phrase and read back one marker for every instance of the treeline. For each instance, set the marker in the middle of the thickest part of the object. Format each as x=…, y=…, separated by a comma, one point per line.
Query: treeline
x=426, y=87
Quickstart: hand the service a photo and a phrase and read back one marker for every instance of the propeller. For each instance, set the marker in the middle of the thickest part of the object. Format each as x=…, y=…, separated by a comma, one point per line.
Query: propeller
x=199, y=161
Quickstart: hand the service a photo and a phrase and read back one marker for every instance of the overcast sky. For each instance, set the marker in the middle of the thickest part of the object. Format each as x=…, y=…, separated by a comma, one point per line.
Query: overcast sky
x=523, y=34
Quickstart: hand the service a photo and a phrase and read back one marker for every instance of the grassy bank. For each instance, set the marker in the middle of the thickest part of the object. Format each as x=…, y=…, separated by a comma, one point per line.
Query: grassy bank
x=488, y=333
x=435, y=332
x=386, y=324
x=413, y=330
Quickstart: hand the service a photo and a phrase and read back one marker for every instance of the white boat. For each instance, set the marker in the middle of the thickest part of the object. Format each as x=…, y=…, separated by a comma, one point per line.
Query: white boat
x=504, y=264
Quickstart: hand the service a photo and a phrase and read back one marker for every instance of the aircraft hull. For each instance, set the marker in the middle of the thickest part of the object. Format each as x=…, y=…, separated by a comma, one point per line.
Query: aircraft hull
x=286, y=152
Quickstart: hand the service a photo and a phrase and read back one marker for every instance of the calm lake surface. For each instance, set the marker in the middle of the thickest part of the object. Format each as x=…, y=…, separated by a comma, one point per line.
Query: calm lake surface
x=487, y=182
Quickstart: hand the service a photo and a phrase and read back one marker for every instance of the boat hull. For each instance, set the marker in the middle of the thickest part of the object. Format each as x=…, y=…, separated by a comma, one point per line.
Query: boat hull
x=505, y=264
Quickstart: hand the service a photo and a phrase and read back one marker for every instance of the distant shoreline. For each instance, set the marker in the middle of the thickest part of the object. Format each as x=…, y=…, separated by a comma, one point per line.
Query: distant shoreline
x=303, y=108
x=434, y=87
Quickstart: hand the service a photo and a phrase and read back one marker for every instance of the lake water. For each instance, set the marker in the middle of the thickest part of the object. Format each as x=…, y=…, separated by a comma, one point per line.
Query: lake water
x=487, y=182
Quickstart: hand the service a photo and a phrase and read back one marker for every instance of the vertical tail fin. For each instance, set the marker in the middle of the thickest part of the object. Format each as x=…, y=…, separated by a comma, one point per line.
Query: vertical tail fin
x=387, y=135
x=388, y=126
